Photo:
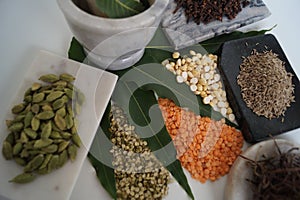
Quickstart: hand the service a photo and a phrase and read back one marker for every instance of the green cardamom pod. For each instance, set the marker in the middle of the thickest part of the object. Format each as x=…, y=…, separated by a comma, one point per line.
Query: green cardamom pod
x=53, y=163
x=60, y=122
x=7, y=150
x=29, y=145
x=63, y=157
x=52, y=148
x=23, y=178
x=20, y=161
x=60, y=83
x=47, y=107
x=35, y=163
x=46, y=131
x=28, y=92
x=19, y=118
x=42, y=143
x=65, y=98
x=16, y=127
x=54, y=95
x=10, y=138
x=66, y=135
x=35, y=86
x=45, y=115
x=27, y=120
x=28, y=99
x=62, y=111
x=23, y=137
x=54, y=127
x=76, y=139
x=66, y=77
x=55, y=135
x=63, y=145
x=24, y=153
x=69, y=93
x=18, y=108
x=58, y=104
x=70, y=110
x=49, y=78
x=72, y=152
x=35, y=108
x=30, y=133
x=35, y=123
x=69, y=121
x=46, y=161
x=17, y=148
x=38, y=97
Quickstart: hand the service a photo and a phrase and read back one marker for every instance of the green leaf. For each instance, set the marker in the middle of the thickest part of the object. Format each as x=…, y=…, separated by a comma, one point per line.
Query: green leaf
x=105, y=175
x=100, y=156
x=149, y=125
x=76, y=51
x=153, y=76
x=136, y=91
x=120, y=8
x=214, y=44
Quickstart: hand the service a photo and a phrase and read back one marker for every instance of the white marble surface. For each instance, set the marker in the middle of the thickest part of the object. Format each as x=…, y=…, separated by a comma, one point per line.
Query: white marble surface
x=182, y=34
x=31, y=25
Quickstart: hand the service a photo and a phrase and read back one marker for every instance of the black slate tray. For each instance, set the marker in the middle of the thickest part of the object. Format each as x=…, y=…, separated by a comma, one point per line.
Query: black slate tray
x=256, y=128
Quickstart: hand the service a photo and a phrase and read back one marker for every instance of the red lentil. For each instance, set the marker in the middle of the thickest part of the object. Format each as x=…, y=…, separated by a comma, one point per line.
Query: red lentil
x=205, y=147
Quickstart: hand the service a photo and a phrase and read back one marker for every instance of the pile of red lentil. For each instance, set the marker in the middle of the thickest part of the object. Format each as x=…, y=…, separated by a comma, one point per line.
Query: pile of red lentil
x=205, y=147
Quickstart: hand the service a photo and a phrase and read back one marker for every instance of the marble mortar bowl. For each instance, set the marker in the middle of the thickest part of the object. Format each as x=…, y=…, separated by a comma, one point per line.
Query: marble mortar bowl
x=113, y=44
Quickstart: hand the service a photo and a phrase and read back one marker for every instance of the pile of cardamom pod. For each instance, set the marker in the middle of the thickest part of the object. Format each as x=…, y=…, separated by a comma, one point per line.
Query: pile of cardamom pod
x=43, y=134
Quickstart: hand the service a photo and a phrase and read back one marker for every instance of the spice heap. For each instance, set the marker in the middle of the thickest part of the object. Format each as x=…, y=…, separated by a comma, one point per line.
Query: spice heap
x=266, y=86
x=43, y=134
x=206, y=11
x=276, y=177
x=139, y=175
x=206, y=148
x=200, y=73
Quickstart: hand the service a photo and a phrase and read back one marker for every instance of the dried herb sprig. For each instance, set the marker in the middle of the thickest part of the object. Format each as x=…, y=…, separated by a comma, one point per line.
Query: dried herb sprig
x=206, y=11
x=276, y=177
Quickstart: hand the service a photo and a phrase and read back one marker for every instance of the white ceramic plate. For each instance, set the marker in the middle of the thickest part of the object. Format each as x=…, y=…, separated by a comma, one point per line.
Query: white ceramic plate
x=237, y=188
x=97, y=86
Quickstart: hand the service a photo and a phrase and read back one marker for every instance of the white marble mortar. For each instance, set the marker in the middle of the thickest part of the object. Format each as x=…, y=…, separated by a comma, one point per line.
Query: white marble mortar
x=113, y=44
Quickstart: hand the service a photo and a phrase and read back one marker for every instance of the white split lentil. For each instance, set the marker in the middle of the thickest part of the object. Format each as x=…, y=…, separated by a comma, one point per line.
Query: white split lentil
x=200, y=73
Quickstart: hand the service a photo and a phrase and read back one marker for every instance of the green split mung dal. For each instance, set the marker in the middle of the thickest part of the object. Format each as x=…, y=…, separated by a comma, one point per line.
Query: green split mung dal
x=138, y=174
x=43, y=134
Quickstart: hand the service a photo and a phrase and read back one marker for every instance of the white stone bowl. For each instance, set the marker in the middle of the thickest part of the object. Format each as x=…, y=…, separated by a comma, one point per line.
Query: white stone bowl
x=113, y=44
x=237, y=188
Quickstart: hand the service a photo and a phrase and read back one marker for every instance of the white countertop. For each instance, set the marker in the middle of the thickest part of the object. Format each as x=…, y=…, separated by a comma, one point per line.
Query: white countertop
x=33, y=25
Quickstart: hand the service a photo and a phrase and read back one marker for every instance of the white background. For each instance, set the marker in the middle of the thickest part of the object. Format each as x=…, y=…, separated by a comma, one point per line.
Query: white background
x=32, y=25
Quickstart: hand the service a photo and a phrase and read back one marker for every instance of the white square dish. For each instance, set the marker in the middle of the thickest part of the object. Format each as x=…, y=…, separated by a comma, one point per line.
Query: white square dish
x=97, y=86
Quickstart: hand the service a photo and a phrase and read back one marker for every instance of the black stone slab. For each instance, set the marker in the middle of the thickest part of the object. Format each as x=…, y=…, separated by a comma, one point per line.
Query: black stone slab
x=256, y=128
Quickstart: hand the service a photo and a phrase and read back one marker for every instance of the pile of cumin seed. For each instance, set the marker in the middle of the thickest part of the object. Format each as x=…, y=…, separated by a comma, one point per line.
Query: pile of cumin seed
x=266, y=86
